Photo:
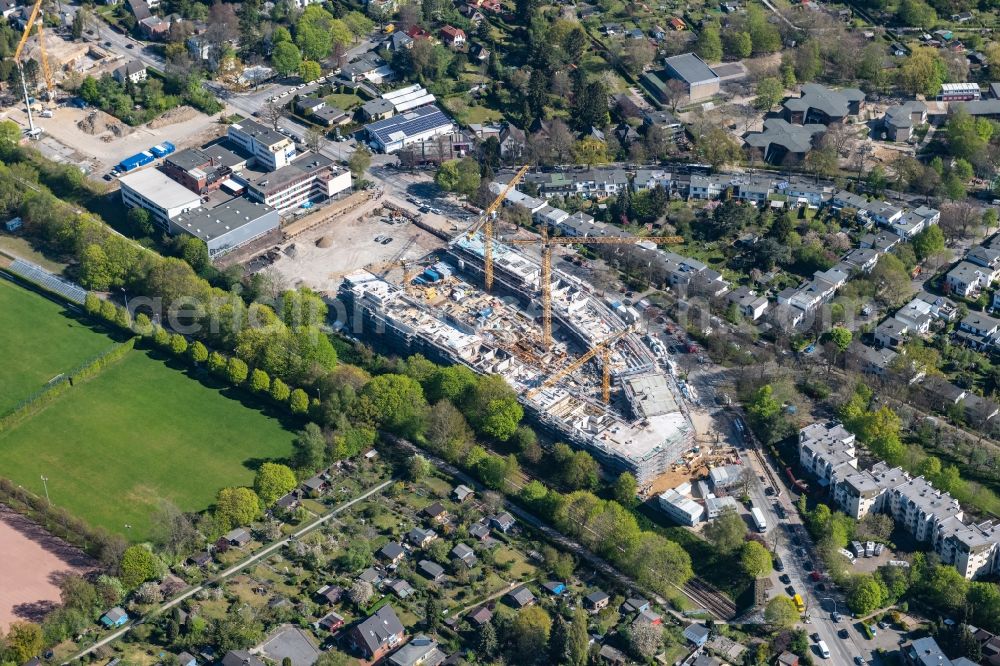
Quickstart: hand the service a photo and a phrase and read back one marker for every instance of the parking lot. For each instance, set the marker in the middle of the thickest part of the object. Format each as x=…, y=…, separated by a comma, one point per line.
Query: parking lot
x=362, y=239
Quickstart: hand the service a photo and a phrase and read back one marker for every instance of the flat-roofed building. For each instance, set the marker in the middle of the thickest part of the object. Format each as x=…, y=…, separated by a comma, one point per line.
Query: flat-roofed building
x=311, y=177
x=422, y=124
x=154, y=191
x=228, y=226
x=678, y=505
x=203, y=169
x=701, y=80
x=271, y=150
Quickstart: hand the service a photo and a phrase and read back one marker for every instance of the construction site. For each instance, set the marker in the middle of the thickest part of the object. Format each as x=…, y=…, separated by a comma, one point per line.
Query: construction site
x=623, y=408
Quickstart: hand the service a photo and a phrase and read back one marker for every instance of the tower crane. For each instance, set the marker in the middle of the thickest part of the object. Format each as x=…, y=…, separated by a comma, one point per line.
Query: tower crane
x=33, y=20
x=549, y=242
x=485, y=224
x=604, y=349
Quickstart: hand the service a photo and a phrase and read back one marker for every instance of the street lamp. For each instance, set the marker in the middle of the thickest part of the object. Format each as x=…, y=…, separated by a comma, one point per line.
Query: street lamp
x=834, y=604
x=126, y=297
x=45, y=484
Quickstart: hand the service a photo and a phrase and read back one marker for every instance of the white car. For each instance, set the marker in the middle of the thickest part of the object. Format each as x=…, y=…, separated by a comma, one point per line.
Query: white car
x=300, y=86
x=321, y=79
x=284, y=94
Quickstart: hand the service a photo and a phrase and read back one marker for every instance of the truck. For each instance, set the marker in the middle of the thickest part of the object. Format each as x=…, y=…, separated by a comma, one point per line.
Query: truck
x=162, y=149
x=136, y=161
x=758, y=519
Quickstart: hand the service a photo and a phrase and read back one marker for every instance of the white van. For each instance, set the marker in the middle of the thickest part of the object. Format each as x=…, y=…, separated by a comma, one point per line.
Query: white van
x=824, y=651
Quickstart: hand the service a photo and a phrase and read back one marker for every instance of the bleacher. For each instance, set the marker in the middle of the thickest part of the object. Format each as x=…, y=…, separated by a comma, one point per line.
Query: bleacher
x=37, y=275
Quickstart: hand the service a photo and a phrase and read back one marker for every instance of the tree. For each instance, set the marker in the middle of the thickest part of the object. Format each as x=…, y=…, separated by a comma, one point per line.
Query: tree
x=493, y=408
x=23, y=641
x=461, y=176
x=781, y=612
x=579, y=639
x=359, y=161
x=928, y=242
x=137, y=566
x=197, y=352
x=709, y=45
x=529, y=632
x=625, y=489
x=755, y=559
x=840, y=337
x=309, y=448
x=486, y=642
x=417, y=467
x=922, y=72
x=576, y=469
x=645, y=640
x=361, y=593
x=769, y=93
x=590, y=151
x=272, y=482
x=235, y=507
x=236, y=370
x=140, y=222
x=917, y=13
x=310, y=70
x=260, y=382
x=279, y=390
x=178, y=344
x=867, y=595
x=718, y=147
x=727, y=532
x=395, y=402
x=298, y=401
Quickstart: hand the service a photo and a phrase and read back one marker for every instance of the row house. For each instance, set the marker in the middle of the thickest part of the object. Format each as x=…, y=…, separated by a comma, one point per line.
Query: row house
x=594, y=183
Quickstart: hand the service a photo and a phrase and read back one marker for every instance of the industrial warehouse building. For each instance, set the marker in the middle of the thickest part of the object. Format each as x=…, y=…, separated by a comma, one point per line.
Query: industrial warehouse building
x=153, y=190
x=228, y=226
x=423, y=124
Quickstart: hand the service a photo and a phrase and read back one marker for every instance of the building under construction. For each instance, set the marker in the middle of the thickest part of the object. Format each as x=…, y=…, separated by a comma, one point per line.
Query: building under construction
x=644, y=429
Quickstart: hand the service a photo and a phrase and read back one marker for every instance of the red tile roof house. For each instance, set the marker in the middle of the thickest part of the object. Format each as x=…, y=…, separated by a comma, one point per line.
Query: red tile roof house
x=453, y=36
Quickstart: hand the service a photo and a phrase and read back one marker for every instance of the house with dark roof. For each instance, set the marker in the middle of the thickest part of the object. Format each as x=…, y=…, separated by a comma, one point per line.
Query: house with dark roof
x=479, y=531
x=329, y=594
x=452, y=36
x=237, y=538
x=400, y=587
x=520, y=597
x=701, y=81
x=464, y=555
x=502, y=521
x=420, y=537
x=200, y=559
x=436, y=512
x=554, y=587
x=480, y=616
x=596, y=601
x=378, y=635
x=697, y=633
x=430, y=570
x=241, y=658
x=782, y=142
x=462, y=493
x=133, y=71
x=392, y=553
x=824, y=106
x=634, y=605
x=900, y=120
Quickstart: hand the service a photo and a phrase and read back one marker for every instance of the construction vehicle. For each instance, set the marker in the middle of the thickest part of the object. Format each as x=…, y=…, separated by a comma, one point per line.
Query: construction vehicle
x=602, y=348
x=34, y=19
x=549, y=242
x=485, y=225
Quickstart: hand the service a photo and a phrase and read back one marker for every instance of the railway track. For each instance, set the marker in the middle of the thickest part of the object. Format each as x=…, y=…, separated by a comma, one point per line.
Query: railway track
x=711, y=599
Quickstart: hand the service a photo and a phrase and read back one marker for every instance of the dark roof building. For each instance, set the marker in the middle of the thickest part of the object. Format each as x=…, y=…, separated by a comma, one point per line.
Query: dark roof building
x=782, y=142
x=377, y=635
x=701, y=80
x=227, y=227
x=520, y=597
x=822, y=105
x=430, y=570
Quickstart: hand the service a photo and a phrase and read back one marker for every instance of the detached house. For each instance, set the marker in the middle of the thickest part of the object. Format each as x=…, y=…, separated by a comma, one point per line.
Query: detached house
x=452, y=36
x=378, y=635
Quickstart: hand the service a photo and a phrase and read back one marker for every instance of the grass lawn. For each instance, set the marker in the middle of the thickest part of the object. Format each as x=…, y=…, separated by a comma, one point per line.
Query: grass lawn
x=138, y=432
x=46, y=339
x=466, y=114
x=344, y=101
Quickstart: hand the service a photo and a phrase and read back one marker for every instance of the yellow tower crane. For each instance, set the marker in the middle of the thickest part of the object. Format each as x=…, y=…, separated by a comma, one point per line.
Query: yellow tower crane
x=33, y=20
x=485, y=224
x=549, y=242
x=602, y=348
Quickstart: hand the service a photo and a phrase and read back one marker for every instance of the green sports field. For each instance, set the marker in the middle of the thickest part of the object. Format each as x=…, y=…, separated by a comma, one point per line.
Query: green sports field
x=138, y=432
x=40, y=341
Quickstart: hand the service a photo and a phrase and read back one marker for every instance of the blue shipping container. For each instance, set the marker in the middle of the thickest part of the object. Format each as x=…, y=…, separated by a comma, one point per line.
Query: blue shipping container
x=136, y=161
x=162, y=149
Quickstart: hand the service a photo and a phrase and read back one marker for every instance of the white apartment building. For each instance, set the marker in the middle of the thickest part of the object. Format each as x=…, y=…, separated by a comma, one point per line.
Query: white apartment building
x=929, y=514
x=309, y=178
x=271, y=150
x=163, y=197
